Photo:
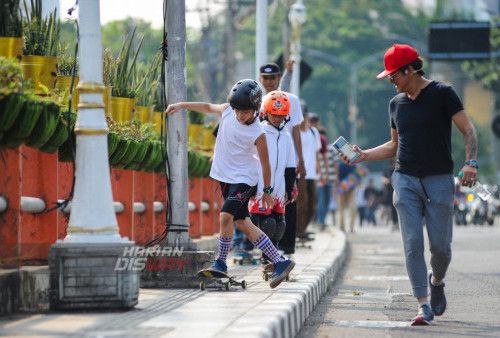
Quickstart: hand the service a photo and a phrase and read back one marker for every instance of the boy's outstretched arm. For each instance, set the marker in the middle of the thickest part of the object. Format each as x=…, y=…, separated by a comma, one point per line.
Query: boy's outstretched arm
x=261, y=144
x=201, y=107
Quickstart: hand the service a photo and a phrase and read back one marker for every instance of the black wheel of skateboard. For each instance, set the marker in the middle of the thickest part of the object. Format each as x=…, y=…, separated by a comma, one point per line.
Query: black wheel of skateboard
x=241, y=262
x=243, y=284
x=203, y=286
x=287, y=278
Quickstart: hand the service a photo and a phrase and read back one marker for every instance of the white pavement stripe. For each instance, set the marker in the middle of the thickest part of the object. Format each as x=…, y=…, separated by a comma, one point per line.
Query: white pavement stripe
x=367, y=323
x=383, y=278
x=373, y=294
x=380, y=258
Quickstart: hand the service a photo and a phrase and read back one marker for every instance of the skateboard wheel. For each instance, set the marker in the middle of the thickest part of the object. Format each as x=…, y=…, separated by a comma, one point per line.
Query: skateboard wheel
x=243, y=284
x=287, y=278
x=203, y=286
x=234, y=260
x=266, y=277
x=241, y=262
x=254, y=261
x=228, y=286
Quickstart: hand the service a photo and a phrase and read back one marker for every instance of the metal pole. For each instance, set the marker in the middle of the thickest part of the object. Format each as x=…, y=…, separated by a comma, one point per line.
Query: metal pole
x=353, y=103
x=176, y=84
x=92, y=217
x=261, y=36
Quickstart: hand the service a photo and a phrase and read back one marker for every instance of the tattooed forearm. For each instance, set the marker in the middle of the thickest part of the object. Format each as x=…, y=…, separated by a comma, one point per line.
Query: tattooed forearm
x=470, y=139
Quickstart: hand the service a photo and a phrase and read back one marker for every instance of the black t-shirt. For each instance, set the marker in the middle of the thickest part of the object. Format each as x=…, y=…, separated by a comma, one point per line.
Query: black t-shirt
x=424, y=130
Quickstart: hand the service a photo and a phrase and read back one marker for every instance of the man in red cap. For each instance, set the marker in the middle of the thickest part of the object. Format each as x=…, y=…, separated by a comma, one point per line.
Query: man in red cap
x=420, y=116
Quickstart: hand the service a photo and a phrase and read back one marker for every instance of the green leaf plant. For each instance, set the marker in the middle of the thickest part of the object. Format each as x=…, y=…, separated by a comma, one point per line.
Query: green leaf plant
x=41, y=35
x=125, y=65
x=11, y=24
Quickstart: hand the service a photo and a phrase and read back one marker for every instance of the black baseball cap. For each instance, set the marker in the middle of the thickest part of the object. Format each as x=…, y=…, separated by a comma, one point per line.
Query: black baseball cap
x=270, y=69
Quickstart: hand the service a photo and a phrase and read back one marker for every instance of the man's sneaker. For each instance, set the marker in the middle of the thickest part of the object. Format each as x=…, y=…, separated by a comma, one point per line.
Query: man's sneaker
x=219, y=265
x=281, y=270
x=424, y=316
x=438, y=299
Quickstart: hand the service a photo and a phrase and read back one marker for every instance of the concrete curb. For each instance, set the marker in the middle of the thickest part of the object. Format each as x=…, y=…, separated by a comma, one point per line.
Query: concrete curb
x=292, y=303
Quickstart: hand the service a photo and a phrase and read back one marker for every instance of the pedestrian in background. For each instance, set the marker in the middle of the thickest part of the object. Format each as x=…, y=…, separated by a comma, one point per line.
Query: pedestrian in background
x=361, y=202
x=323, y=186
x=347, y=179
x=306, y=200
x=371, y=196
x=421, y=117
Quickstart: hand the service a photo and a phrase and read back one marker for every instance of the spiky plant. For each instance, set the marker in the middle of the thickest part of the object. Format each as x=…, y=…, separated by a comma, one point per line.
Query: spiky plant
x=125, y=65
x=41, y=35
x=11, y=24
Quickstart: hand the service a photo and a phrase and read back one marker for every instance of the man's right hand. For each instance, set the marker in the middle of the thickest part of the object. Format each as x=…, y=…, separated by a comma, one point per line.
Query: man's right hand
x=361, y=157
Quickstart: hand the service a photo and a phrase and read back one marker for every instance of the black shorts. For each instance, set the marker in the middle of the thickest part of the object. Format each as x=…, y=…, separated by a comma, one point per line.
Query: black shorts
x=236, y=197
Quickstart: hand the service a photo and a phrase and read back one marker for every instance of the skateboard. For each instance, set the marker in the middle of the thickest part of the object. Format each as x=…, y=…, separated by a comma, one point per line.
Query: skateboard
x=304, y=242
x=219, y=280
x=267, y=271
x=242, y=257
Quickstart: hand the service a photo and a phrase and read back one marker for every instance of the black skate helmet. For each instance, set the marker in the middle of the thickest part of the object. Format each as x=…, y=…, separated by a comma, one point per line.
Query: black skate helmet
x=245, y=94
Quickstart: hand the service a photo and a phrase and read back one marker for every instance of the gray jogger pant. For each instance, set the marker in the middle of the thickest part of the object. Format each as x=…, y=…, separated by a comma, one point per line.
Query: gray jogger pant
x=430, y=198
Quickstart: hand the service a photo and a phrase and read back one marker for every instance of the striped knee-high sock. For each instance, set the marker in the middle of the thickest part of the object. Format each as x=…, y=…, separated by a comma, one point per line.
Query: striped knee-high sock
x=267, y=247
x=224, y=245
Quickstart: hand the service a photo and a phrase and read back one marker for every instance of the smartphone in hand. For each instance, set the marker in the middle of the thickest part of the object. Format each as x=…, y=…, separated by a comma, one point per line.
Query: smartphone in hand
x=344, y=147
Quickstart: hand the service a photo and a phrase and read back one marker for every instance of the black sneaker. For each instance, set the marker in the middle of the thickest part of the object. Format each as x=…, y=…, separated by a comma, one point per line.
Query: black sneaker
x=424, y=316
x=438, y=299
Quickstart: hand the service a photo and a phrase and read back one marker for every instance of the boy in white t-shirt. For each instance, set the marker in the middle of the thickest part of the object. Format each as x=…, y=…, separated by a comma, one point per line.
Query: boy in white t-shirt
x=271, y=221
x=236, y=166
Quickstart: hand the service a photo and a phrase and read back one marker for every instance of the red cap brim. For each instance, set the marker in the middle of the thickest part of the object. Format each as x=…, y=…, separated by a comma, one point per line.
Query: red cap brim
x=383, y=74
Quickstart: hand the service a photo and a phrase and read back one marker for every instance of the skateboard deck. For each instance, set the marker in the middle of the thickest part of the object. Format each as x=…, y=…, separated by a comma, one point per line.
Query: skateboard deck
x=219, y=280
x=242, y=257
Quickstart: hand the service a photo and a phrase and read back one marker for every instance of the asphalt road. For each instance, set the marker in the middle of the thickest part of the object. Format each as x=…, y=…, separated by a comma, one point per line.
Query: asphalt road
x=372, y=296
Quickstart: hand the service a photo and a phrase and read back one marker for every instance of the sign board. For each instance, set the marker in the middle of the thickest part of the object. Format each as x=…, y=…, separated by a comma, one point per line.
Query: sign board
x=459, y=40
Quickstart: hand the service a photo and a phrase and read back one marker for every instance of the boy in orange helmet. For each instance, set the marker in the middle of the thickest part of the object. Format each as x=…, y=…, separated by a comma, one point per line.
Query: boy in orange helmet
x=276, y=107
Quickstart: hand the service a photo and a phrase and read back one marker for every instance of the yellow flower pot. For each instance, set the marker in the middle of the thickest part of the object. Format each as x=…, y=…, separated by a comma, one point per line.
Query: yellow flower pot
x=106, y=99
x=195, y=132
x=208, y=139
x=63, y=83
x=122, y=108
x=41, y=70
x=144, y=114
x=11, y=47
x=157, y=122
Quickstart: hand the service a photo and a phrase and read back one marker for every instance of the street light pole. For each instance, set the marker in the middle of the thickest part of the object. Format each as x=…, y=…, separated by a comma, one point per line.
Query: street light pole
x=261, y=36
x=297, y=17
x=83, y=266
x=353, y=82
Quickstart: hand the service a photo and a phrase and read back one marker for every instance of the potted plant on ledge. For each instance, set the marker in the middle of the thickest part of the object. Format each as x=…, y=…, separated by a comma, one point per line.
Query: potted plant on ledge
x=11, y=30
x=123, y=95
x=41, y=36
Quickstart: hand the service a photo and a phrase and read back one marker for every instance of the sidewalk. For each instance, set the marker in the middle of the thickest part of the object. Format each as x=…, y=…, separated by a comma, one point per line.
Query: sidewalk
x=257, y=311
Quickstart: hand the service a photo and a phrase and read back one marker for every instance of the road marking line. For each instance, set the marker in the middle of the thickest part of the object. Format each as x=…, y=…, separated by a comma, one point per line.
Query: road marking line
x=367, y=323
x=379, y=278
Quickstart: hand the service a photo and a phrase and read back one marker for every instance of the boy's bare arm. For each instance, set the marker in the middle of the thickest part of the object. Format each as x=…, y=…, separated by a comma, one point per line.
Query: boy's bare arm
x=201, y=107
